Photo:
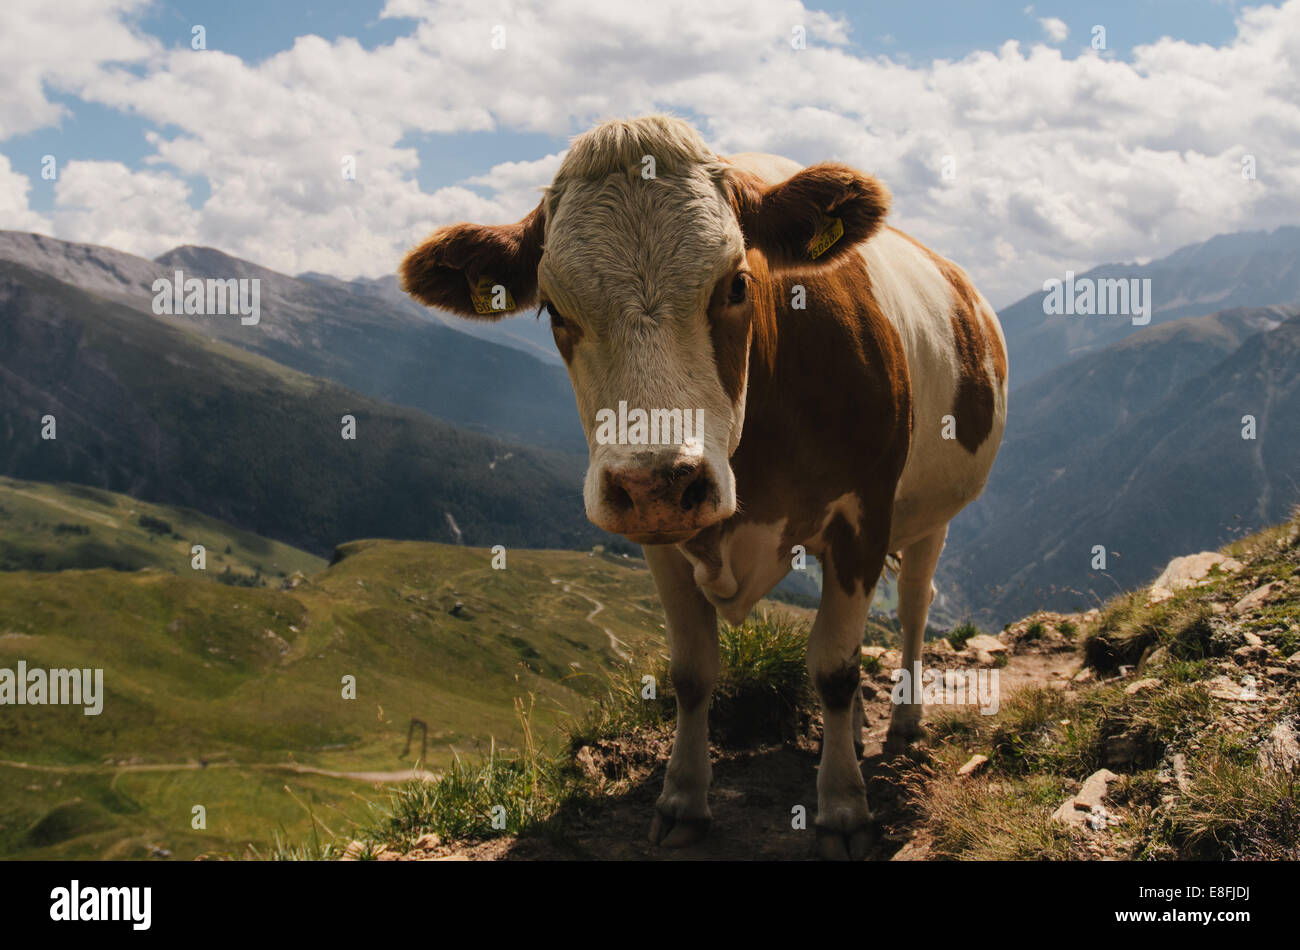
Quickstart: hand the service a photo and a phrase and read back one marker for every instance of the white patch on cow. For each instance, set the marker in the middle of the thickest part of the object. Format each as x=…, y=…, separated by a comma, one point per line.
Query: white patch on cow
x=633, y=262
x=941, y=477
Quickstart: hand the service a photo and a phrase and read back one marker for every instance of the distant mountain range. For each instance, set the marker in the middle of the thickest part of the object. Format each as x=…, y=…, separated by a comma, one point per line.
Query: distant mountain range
x=526, y=332
x=1118, y=435
x=1248, y=269
x=153, y=408
x=1137, y=448
x=365, y=335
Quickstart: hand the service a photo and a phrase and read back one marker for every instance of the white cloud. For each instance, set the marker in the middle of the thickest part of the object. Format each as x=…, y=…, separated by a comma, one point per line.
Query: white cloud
x=143, y=213
x=59, y=46
x=1054, y=29
x=1060, y=162
x=14, y=211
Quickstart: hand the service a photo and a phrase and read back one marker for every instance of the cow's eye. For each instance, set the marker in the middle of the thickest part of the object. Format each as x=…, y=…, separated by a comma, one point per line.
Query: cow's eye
x=557, y=321
x=739, y=290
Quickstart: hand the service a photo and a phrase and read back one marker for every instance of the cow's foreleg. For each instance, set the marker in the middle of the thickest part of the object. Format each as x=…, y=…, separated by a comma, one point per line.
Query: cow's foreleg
x=915, y=592
x=682, y=812
x=835, y=663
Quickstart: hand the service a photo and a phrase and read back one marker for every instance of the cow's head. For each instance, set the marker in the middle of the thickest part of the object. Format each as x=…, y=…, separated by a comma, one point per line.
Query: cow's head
x=652, y=257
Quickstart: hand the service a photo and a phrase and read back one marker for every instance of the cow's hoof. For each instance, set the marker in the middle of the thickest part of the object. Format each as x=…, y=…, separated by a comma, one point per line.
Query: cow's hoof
x=669, y=831
x=852, y=845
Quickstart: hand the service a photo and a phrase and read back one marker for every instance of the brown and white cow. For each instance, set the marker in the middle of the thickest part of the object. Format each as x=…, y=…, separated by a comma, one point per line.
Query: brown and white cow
x=852, y=385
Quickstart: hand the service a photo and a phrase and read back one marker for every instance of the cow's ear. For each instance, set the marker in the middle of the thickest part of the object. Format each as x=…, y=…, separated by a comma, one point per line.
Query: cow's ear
x=477, y=270
x=813, y=216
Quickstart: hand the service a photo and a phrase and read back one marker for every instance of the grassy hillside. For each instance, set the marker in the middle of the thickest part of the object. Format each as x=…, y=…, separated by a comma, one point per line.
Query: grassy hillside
x=216, y=694
x=55, y=527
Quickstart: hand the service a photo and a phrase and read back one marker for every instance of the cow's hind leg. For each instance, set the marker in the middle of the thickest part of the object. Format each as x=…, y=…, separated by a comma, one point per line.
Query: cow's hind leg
x=915, y=592
x=682, y=812
x=835, y=663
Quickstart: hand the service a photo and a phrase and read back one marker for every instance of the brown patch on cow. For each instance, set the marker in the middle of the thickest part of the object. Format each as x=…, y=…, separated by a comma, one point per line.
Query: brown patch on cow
x=977, y=344
x=830, y=416
x=440, y=271
x=783, y=220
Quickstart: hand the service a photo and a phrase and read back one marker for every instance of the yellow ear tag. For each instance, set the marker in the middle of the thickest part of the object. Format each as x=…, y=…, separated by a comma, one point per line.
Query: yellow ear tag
x=482, y=292
x=832, y=230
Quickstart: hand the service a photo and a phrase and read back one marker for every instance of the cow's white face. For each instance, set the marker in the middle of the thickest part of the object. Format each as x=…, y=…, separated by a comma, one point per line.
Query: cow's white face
x=650, y=296
x=657, y=288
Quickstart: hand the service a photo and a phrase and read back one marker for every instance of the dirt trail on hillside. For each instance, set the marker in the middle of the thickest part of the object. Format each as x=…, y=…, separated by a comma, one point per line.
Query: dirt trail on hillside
x=615, y=644
x=754, y=790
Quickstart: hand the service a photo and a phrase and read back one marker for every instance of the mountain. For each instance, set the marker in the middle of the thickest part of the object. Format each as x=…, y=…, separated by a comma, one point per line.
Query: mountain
x=365, y=336
x=1137, y=448
x=154, y=409
x=525, y=332
x=1247, y=269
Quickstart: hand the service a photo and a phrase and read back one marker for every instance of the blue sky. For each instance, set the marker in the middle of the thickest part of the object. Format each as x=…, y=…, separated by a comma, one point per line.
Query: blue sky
x=155, y=145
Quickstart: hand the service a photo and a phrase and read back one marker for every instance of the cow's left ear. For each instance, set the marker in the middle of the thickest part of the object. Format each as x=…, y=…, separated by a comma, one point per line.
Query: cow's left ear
x=813, y=216
x=482, y=271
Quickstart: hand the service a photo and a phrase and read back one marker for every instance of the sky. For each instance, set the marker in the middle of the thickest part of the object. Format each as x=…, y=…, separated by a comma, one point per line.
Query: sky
x=1018, y=140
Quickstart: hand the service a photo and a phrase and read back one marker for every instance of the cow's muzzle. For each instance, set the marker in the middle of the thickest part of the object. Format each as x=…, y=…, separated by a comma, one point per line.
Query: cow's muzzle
x=667, y=504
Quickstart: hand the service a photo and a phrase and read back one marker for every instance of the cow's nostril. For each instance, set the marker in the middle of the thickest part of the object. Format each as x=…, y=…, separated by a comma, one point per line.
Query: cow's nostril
x=616, y=496
x=696, y=492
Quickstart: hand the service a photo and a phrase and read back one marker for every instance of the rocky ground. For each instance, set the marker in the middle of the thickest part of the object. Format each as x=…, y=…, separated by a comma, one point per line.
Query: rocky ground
x=1131, y=709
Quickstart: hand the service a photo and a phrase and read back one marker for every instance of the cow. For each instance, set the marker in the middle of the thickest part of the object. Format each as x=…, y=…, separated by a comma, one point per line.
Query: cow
x=852, y=385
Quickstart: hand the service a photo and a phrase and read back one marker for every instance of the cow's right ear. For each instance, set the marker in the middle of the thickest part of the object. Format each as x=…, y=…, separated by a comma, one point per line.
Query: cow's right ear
x=477, y=270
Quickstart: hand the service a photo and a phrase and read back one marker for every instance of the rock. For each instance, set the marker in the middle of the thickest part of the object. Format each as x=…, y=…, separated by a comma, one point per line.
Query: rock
x=982, y=642
x=588, y=763
x=1191, y=570
x=353, y=851
x=1250, y=654
x=1277, y=673
x=976, y=763
x=1223, y=688
x=1281, y=750
x=1252, y=639
x=1155, y=659
x=1293, y=659
x=1094, y=788
x=427, y=842
x=1137, y=686
x=1077, y=810
x=1256, y=598
x=877, y=652
x=1084, y=676
x=1179, y=763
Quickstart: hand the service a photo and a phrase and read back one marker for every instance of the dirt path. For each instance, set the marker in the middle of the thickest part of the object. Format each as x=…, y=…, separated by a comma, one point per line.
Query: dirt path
x=755, y=791
x=615, y=644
